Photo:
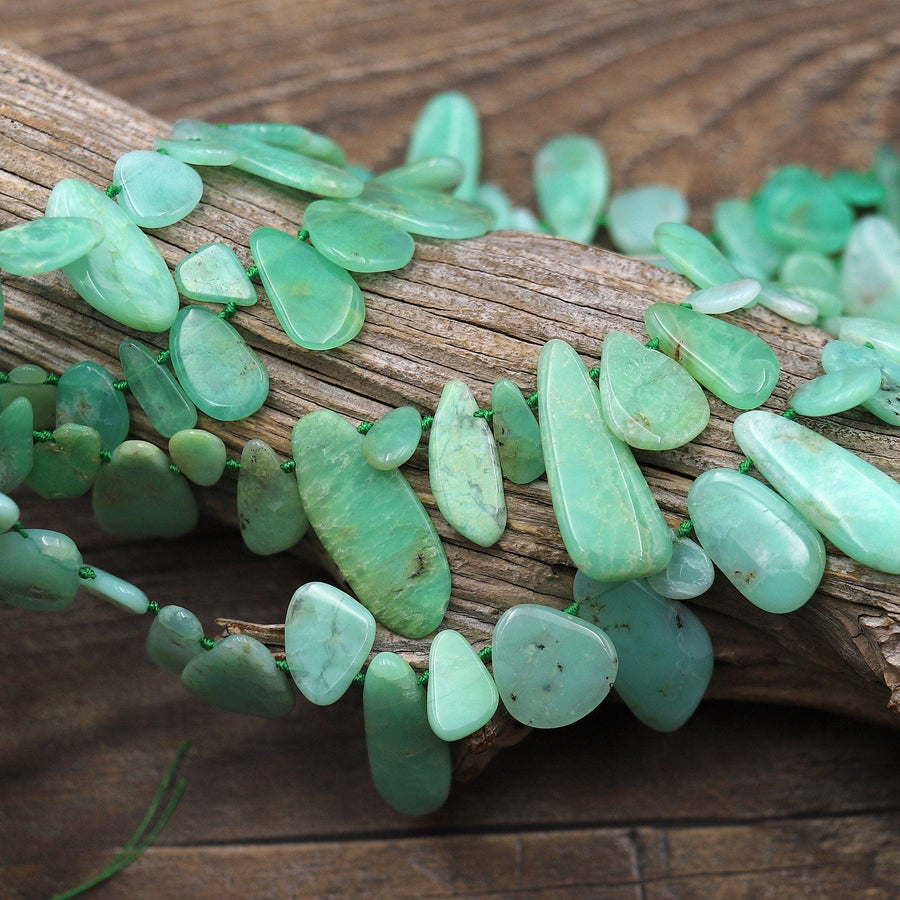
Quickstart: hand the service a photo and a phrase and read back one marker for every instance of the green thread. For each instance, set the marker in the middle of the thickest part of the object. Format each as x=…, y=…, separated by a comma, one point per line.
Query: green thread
x=105, y=456
x=41, y=437
x=486, y=414
x=790, y=413
x=531, y=401
x=427, y=422
x=284, y=665
x=153, y=607
x=18, y=529
x=423, y=679
x=86, y=573
x=113, y=190
x=652, y=344
x=685, y=528
x=4, y=378
x=174, y=469
x=572, y=609
x=485, y=654
x=228, y=310
x=252, y=272
x=288, y=466
x=303, y=234
x=52, y=378
x=207, y=643
x=364, y=427
x=594, y=373
x=869, y=344
x=162, y=150
x=121, y=385
x=745, y=466
x=686, y=305
x=233, y=465
x=359, y=678
x=164, y=356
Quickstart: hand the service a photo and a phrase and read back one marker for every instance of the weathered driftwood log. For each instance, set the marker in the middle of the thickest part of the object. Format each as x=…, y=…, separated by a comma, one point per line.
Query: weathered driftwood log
x=476, y=310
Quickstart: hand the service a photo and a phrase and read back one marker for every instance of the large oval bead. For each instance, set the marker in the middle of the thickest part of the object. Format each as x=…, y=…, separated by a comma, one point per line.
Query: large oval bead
x=157, y=189
x=39, y=570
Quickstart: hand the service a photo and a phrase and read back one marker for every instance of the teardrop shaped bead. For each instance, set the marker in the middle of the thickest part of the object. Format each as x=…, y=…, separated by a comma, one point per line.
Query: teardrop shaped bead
x=9, y=513
x=736, y=365
x=30, y=382
x=200, y=455
x=431, y=173
x=649, y=401
x=214, y=274
x=464, y=469
x=318, y=304
x=38, y=570
x=117, y=592
x=137, y=495
x=689, y=573
x=665, y=654
x=197, y=153
x=292, y=137
x=855, y=505
x=840, y=355
x=723, y=298
x=270, y=513
x=86, y=395
x=410, y=765
x=694, y=255
x=67, y=465
x=327, y=637
x=157, y=189
x=124, y=277
x=517, y=434
x=393, y=439
x=16, y=444
x=837, y=392
x=174, y=639
x=633, y=216
x=870, y=270
x=47, y=243
x=361, y=514
x=609, y=521
x=735, y=227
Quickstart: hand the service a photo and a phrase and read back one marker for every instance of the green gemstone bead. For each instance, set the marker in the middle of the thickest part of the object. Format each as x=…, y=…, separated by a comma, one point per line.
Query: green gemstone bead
x=174, y=639
x=9, y=513
x=214, y=274
x=67, y=465
x=883, y=336
x=839, y=355
x=86, y=395
x=870, y=270
x=197, y=153
x=887, y=170
x=859, y=189
x=45, y=243
x=292, y=137
x=633, y=216
x=30, y=381
x=495, y=199
x=517, y=434
x=694, y=255
x=39, y=571
x=157, y=189
x=16, y=444
x=121, y=594
x=735, y=227
x=813, y=269
x=827, y=303
x=689, y=573
x=836, y=392
x=725, y=297
x=787, y=305
x=393, y=439
x=200, y=455
x=432, y=173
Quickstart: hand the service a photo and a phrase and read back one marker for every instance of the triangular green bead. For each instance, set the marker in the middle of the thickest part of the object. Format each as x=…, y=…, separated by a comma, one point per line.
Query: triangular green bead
x=214, y=274
x=67, y=465
x=200, y=455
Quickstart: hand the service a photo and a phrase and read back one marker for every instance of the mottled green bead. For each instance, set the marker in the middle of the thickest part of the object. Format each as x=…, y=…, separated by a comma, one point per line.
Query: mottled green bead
x=9, y=513
x=393, y=439
x=839, y=355
x=694, y=255
x=292, y=137
x=67, y=465
x=517, y=434
x=736, y=229
x=633, y=215
x=870, y=270
x=836, y=392
x=45, y=243
x=174, y=639
x=117, y=592
x=157, y=189
x=86, y=395
x=197, y=153
x=214, y=274
x=859, y=189
x=16, y=444
x=30, y=381
x=689, y=573
x=199, y=454
x=38, y=570
x=433, y=173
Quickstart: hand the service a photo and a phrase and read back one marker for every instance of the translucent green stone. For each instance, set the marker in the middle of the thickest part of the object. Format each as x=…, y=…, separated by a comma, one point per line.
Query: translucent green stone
x=38, y=571
x=813, y=269
x=887, y=170
x=787, y=305
x=239, y=674
x=727, y=297
x=67, y=465
x=318, y=304
x=9, y=513
x=517, y=434
x=571, y=183
x=361, y=514
x=85, y=395
x=47, y=243
x=269, y=510
x=689, y=573
x=859, y=189
x=855, y=505
x=354, y=240
x=410, y=765
x=137, y=495
x=736, y=365
x=292, y=137
x=199, y=454
x=16, y=444
x=214, y=274
x=197, y=153
x=882, y=336
x=125, y=277
x=839, y=355
x=648, y=400
x=433, y=173
x=836, y=392
x=494, y=198
x=523, y=219
x=551, y=668
x=121, y=594
x=462, y=696
x=870, y=270
x=633, y=216
x=464, y=468
x=665, y=654
x=174, y=638
x=694, y=255
x=157, y=189
x=327, y=637
x=827, y=303
x=609, y=521
x=393, y=439
x=736, y=229
x=448, y=126
x=30, y=381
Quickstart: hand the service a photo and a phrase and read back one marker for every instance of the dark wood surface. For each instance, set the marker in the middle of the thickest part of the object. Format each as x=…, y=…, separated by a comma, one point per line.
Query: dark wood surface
x=746, y=801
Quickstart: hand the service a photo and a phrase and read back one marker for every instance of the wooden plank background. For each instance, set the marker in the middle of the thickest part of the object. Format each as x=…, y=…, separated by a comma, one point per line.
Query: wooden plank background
x=746, y=801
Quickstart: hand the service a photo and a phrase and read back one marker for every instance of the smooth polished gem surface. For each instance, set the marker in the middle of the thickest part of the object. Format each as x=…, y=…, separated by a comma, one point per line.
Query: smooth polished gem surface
x=725, y=297
x=30, y=381
x=870, y=270
x=410, y=765
x=214, y=274
x=881, y=335
x=9, y=513
x=517, y=434
x=393, y=439
x=433, y=173
x=694, y=255
x=886, y=166
x=174, y=638
x=860, y=189
x=837, y=392
x=855, y=505
x=46, y=243
x=199, y=454
x=360, y=513
x=493, y=197
x=609, y=521
x=633, y=216
x=551, y=668
x=38, y=571
x=197, y=153
x=327, y=637
x=810, y=268
x=787, y=305
x=734, y=224
x=116, y=591
x=16, y=443
x=67, y=465
x=839, y=355
x=157, y=189
x=292, y=137
x=124, y=277
x=689, y=573
x=86, y=395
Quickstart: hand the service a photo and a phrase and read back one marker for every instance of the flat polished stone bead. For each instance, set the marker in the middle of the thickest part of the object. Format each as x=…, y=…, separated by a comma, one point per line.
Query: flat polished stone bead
x=199, y=454
x=116, y=591
x=736, y=229
x=870, y=270
x=218, y=370
x=551, y=668
x=813, y=269
x=67, y=465
x=433, y=173
x=633, y=216
x=318, y=304
x=137, y=495
x=410, y=765
x=689, y=573
x=464, y=469
x=30, y=381
x=694, y=255
x=883, y=336
x=292, y=137
x=239, y=674
x=46, y=243
x=86, y=395
x=840, y=355
x=38, y=571
x=763, y=546
x=665, y=654
x=157, y=189
x=886, y=166
x=649, y=401
x=270, y=513
x=462, y=696
x=393, y=439
x=354, y=240
x=787, y=305
x=736, y=365
x=859, y=189
x=174, y=638
x=124, y=277
x=523, y=219
x=517, y=434
x=827, y=303
x=727, y=297
x=9, y=513
x=837, y=392
x=16, y=444
x=855, y=505
x=197, y=153
x=327, y=637
x=494, y=198
x=610, y=523
x=360, y=514
x=214, y=274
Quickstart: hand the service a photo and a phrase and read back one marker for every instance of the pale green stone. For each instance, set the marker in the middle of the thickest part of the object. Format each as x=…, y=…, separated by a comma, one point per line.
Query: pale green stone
x=125, y=277
x=137, y=495
x=9, y=513
x=887, y=170
x=736, y=365
x=197, y=153
x=633, y=216
x=354, y=240
x=157, y=189
x=239, y=674
x=464, y=468
x=836, y=392
x=665, y=654
x=694, y=255
x=47, y=243
x=551, y=669
x=648, y=400
x=38, y=571
x=571, y=184
x=517, y=434
x=200, y=455
x=218, y=370
x=114, y=590
x=67, y=465
x=16, y=444
x=735, y=227
x=689, y=573
x=85, y=395
x=410, y=765
x=30, y=381
x=859, y=189
x=609, y=521
x=362, y=515
x=813, y=269
x=174, y=639
x=523, y=219
x=883, y=336
x=495, y=199
x=870, y=270
x=292, y=137
x=393, y=439
x=839, y=355
x=462, y=696
x=433, y=173
x=214, y=274
x=318, y=304
x=827, y=303
x=727, y=297
x=787, y=305
x=327, y=637
x=855, y=505
x=270, y=514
